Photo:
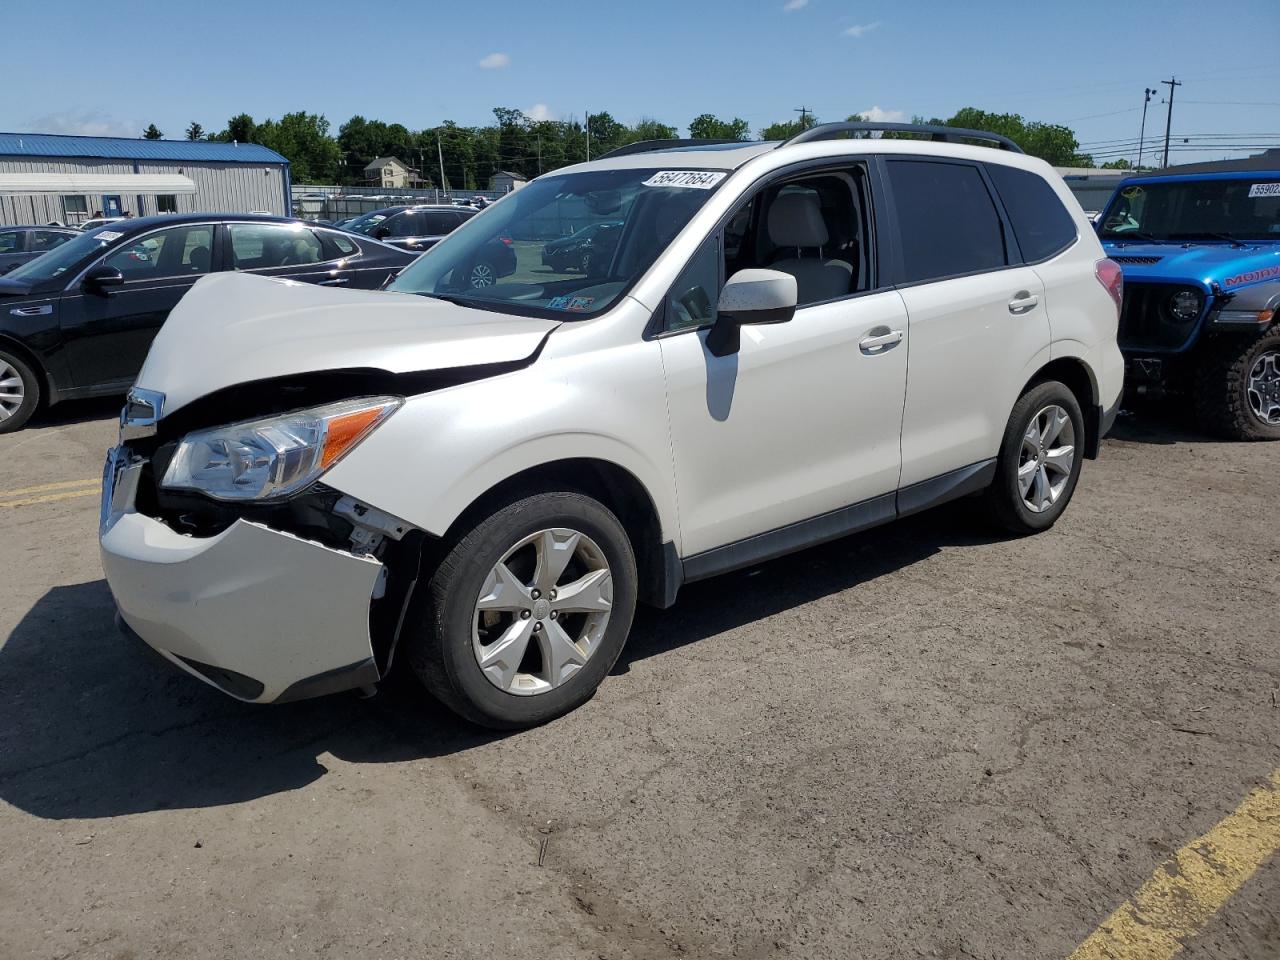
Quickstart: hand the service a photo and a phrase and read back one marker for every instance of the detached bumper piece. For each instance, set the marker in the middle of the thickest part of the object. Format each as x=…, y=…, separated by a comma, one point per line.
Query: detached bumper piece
x=262, y=615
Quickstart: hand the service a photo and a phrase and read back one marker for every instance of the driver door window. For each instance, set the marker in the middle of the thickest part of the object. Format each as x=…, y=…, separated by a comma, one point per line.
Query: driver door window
x=176, y=252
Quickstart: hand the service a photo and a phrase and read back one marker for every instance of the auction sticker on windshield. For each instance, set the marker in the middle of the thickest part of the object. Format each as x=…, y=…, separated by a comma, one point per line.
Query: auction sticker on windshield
x=692, y=179
x=1264, y=190
x=108, y=235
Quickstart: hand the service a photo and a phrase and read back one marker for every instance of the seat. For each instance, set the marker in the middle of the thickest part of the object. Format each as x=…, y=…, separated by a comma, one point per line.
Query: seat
x=199, y=260
x=795, y=223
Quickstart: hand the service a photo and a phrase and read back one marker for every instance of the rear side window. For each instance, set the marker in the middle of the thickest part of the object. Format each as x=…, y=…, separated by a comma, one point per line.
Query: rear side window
x=947, y=221
x=263, y=246
x=440, y=223
x=1040, y=221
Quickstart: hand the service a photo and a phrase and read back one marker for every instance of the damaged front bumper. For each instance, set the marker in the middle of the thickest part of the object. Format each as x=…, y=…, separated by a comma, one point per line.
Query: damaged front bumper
x=261, y=614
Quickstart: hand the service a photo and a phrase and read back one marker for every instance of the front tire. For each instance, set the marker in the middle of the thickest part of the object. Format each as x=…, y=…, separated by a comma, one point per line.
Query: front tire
x=1040, y=459
x=528, y=611
x=1237, y=388
x=19, y=392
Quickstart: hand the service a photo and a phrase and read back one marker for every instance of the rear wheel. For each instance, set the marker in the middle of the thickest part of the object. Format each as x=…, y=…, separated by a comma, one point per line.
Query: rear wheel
x=482, y=275
x=1040, y=459
x=528, y=611
x=1237, y=390
x=19, y=392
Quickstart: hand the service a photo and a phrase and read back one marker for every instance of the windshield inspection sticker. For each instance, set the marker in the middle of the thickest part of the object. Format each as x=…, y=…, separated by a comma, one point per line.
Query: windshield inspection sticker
x=571, y=303
x=107, y=235
x=1264, y=190
x=691, y=179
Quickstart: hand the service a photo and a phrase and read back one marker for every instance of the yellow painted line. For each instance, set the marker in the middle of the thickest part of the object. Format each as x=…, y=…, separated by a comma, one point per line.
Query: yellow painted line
x=1191, y=886
x=48, y=498
x=46, y=487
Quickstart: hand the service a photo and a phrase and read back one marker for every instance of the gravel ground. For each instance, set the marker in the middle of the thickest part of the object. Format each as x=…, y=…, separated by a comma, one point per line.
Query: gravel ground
x=921, y=741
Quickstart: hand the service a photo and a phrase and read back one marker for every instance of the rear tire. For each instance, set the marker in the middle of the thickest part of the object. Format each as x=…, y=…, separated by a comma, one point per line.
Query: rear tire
x=452, y=630
x=1035, y=480
x=1235, y=387
x=19, y=392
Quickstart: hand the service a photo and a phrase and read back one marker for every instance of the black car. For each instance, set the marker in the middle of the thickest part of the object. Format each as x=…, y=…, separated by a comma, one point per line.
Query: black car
x=20, y=244
x=420, y=227
x=78, y=321
x=590, y=247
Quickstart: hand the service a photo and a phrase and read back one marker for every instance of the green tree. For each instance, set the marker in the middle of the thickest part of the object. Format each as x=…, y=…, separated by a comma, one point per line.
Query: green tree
x=303, y=139
x=606, y=133
x=1051, y=142
x=786, y=129
x=1120, y=164
x=195, y=131
x=152, y=133
x=707, y=126
x=649, y=129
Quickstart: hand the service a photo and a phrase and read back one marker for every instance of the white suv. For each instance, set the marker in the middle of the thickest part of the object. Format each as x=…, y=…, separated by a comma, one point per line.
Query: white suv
x=781, y=344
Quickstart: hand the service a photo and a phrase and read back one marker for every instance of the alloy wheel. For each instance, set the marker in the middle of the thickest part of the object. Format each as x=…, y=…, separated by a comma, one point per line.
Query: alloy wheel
x=482, y=276
x=1046, y=459
x=1263, y=388
x=542, y=611
x=12, y=391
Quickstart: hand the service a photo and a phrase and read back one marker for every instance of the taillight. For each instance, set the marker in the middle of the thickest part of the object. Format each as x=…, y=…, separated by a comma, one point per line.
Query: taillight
x=507, y=241
x=1111, y=277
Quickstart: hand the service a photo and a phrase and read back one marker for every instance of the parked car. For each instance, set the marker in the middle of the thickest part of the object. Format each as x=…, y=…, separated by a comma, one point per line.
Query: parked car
x=20, y=244
x=77, y=321
x=93, y=223
x=420, y=227
x=593, y=244
x=485, y=481
x=1200, y=250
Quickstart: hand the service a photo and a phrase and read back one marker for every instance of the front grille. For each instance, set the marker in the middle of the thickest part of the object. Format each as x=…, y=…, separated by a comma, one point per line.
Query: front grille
x=1146, y=321
x=1145, y=261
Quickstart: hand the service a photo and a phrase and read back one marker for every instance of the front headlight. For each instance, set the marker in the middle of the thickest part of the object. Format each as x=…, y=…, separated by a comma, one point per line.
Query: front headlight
x=1186, y=304
x=275, y=456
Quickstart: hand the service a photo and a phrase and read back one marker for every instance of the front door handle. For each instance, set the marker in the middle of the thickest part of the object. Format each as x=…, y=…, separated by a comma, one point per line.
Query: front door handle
x=1023, y=301
x=335, y=282
x=880, y=340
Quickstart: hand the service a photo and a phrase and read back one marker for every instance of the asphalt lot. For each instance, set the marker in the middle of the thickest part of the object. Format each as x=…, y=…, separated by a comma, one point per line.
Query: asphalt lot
x=921, y=741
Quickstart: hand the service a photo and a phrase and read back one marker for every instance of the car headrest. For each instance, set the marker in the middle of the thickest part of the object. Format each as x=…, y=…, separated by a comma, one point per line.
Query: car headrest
x=795, y=220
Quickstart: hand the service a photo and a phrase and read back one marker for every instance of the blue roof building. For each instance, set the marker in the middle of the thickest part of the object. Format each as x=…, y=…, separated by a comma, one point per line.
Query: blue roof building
x=68, y=179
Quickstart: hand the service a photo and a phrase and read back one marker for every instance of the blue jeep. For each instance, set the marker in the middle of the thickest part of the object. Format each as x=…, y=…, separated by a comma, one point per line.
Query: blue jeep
x=1200, y=249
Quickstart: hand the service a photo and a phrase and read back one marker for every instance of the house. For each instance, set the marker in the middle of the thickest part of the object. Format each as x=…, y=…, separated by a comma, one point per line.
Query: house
x=389, y=172
x=504, y=181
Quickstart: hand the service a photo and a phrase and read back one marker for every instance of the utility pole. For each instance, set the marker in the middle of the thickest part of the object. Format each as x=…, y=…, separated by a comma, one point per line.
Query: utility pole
x=440, y=154
x=1172, y=83
x=588, y=115
x=1147, y=94
x=804, y=115
x=539, y=154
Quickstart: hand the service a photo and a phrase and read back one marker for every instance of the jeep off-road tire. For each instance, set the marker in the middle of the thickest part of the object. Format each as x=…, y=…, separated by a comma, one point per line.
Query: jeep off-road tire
x=1222, y=381
x=491, y=589
x=1034, y=480
x=19, y=392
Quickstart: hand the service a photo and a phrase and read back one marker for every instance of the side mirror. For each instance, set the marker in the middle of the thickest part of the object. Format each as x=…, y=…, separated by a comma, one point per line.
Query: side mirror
x=101, y=277
x=750, y=296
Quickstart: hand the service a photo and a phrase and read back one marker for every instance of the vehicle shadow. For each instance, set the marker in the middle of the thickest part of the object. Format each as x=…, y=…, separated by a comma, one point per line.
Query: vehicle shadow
x=1162, y=422
x=77, y=411
x=94, y=725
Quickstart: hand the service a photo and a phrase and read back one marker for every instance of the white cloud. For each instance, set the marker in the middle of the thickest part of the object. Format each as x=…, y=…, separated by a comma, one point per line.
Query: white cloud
x=539, y=112
x=85, y=123
x=791, y=5
x=880, y=115
x=494, y=61
x=861, y=29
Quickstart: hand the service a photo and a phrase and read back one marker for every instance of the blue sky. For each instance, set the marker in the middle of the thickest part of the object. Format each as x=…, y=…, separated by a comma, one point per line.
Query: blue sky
x=112, y=68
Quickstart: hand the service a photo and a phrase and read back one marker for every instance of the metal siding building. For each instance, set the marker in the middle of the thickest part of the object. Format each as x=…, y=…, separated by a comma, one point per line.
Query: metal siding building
x=221, y=177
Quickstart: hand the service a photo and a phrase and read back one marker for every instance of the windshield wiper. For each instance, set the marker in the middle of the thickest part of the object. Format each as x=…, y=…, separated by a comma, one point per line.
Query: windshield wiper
x=1131, y=235
x=448, y=298
x=1234, y=241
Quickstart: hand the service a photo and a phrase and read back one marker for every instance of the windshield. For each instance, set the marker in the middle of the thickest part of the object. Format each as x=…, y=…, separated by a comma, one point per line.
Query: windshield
x=56, y=262
x=367, y=221
x=1237, y=209
x=506, y=259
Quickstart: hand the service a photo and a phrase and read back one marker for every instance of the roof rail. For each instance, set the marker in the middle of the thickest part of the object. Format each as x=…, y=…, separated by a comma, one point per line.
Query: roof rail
x=828, y=131
x=648, y=146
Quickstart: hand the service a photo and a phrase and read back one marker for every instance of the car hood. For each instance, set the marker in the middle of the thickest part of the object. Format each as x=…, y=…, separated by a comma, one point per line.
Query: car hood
x=1228, y=266
x=231, y=328
x=14, y=288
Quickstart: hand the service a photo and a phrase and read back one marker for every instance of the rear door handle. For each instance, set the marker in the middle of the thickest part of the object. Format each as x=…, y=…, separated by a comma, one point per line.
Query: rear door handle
x=335, y=282
x=1023, y=301
x=879, y=342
